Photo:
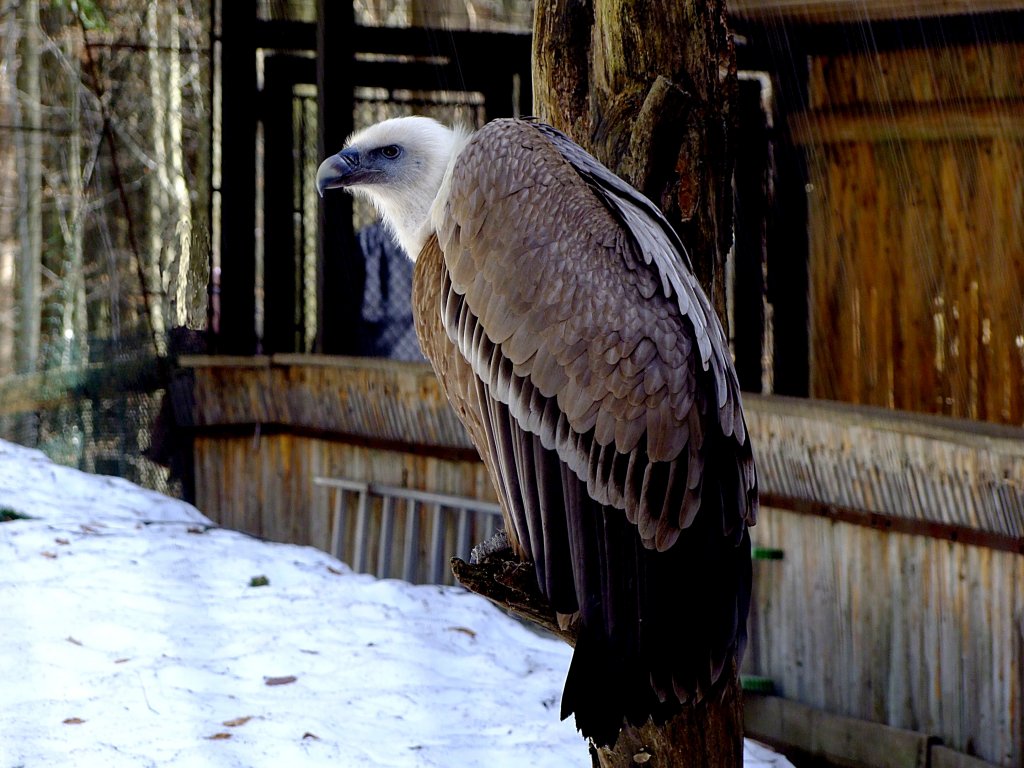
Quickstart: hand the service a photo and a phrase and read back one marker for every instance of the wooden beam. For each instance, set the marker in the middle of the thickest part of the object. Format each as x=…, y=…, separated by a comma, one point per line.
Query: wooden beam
x=921, y=122
x=751, y=184
x=943, y=757
x=366, y=400
x=823, y=736
x=341, y=272
x=237, y=329
x=820, y=738
x=918, y=474
x=896, y=524
x=831, y=11
x=281, y=272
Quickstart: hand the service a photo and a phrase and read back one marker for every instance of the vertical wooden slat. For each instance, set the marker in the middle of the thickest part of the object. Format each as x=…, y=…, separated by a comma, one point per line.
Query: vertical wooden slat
x=361, y=540
x=437, y=556
x=338, y=524
x=411, y=548
x=919, y=633
x=917, y=247
x=386, y=543
x=462, y=542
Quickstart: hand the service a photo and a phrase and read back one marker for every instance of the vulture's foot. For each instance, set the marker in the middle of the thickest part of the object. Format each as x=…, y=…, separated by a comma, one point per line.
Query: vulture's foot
x=498, y=547
x=511, y=584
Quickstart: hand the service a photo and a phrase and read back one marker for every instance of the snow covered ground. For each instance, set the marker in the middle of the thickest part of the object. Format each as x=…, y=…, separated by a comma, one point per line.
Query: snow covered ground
x=132, y=633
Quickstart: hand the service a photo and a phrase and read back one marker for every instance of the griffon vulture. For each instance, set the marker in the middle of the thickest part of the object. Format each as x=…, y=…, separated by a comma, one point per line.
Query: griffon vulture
x=560, y=312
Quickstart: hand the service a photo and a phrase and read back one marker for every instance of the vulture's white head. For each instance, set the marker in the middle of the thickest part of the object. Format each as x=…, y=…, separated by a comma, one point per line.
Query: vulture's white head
x=400, y=165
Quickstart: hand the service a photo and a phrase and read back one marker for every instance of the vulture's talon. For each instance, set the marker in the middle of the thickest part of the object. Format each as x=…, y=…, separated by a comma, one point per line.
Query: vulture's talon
x=497, y=547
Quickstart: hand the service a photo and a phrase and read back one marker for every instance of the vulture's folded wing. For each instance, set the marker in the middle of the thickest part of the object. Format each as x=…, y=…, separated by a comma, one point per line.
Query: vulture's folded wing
x=579, y=293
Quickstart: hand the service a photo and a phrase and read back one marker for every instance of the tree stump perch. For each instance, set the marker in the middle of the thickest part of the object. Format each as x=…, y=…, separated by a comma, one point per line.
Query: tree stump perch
x=708, y=734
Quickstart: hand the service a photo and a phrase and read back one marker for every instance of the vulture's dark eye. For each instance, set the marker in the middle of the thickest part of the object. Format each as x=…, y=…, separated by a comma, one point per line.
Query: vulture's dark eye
x=391, y=151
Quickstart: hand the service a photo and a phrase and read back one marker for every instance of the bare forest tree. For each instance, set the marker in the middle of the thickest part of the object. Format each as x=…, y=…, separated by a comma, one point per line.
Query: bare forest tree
x=104, y=178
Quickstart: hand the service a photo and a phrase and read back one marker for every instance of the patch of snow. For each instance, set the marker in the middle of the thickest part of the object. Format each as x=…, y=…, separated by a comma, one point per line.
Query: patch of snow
x=131, y=637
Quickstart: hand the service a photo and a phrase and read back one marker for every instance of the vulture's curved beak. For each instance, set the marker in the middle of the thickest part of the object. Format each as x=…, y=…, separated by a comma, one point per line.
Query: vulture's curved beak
x=342, y=170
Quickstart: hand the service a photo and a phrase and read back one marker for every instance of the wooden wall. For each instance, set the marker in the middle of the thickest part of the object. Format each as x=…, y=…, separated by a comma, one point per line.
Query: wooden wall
x=916, y=217
x=911, y=631
x=900, y=595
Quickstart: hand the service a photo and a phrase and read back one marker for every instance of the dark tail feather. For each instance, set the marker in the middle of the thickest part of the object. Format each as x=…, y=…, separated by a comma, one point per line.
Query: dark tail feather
x=591, y=685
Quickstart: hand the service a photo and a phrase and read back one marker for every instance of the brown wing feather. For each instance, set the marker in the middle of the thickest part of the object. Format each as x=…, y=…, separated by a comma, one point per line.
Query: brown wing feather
x=457, y=379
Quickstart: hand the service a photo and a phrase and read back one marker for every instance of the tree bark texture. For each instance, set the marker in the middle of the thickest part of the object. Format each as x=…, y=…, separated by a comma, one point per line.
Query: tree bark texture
x=31, y=221
x=648, y=88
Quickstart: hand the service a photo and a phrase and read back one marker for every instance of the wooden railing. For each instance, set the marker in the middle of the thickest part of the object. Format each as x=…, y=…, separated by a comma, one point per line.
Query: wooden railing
x=411, y=529
x=912, y=473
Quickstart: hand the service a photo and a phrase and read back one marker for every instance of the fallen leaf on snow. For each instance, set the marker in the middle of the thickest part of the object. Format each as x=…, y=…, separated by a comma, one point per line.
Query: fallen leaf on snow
x=463, y=630
x=219, y=736
x=237, y=721
x=62, y=542
x=308, y=735
x=259, y=581
x=50, y=555
x=279, y=680
x=73, y=721
x=121, y=661
x=73, y=640
x=335, y=571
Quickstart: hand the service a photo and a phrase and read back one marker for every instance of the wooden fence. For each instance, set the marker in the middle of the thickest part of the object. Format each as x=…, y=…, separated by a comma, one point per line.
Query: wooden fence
x=899, y=598
x=403, y=533
x=900, y=595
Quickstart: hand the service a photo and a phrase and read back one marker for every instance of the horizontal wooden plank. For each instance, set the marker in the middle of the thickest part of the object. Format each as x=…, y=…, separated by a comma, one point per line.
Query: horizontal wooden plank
x=842, y=741
x=406, y=41
x=893, y=524
x=378, y=401
x=831, y=11
x=943, y=757
x=966, y=432
x=932, y=475
x=920, y=122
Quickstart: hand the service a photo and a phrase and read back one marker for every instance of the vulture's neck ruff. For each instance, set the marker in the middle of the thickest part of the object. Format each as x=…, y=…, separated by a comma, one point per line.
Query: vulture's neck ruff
x=402, y=166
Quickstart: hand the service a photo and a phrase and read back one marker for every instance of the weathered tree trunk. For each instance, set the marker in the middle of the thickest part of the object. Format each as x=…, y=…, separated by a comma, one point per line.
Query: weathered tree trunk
x=158, y=185
x=31, y=223
x=647, y=87
x=10, y=33
x=74, y=321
